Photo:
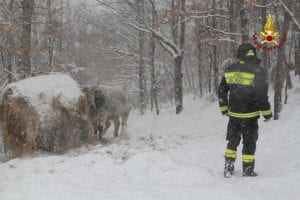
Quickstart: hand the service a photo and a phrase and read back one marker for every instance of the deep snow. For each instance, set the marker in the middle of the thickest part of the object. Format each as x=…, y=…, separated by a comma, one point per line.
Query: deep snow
x=166, y=157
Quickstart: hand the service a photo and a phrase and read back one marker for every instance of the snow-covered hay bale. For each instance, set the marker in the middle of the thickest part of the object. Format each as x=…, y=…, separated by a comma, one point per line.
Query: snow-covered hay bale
x=48, y=113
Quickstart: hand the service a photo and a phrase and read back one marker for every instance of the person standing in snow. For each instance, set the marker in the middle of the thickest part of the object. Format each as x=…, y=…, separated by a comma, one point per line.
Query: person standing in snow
x=242, y=96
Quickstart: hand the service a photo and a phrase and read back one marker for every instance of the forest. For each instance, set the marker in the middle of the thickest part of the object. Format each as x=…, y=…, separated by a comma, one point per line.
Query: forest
x=161, y=50
x=149, y=99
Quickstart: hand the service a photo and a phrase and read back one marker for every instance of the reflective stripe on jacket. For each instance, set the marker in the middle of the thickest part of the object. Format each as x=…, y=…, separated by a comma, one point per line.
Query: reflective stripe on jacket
x=243, y=90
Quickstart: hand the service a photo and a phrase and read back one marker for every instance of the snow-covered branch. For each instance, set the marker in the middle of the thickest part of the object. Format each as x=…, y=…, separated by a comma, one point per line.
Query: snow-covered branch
x=267, y=5
x=220, y=31
x=290, y=13
x=167, y=44
x=168, y=49
x=204, y=17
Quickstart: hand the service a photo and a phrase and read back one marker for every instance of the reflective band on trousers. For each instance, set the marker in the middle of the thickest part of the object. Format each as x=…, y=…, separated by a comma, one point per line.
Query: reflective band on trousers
x=266, y=112
x=224, y=108
x=230, y=153
x=248, y=158
x=241, y=78
x=244, y=115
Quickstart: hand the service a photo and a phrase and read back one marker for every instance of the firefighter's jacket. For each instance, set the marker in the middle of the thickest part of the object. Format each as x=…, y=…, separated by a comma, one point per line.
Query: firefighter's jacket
x=243, y=91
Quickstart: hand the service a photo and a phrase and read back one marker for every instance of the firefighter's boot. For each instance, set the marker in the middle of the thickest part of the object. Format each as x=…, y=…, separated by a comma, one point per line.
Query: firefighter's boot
x=248, y=169
x=229, y=167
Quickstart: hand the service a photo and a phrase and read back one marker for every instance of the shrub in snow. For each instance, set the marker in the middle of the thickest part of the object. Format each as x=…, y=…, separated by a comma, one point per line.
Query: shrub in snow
x=48, y=113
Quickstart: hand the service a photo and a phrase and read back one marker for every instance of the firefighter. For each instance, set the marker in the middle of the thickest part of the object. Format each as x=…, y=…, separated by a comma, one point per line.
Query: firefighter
x=242, y=96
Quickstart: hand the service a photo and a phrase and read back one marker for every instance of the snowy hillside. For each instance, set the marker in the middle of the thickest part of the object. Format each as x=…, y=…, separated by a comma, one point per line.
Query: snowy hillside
x=166, y=157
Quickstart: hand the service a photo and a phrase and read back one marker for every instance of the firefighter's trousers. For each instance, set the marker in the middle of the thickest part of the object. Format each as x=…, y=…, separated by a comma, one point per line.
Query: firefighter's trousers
x=246, y=129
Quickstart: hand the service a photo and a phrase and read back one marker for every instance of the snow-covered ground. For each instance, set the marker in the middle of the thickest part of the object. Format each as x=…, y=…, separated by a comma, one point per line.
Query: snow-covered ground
x=166, y=157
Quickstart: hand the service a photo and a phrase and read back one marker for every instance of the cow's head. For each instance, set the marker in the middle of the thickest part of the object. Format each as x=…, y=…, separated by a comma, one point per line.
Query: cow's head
x=99, y=98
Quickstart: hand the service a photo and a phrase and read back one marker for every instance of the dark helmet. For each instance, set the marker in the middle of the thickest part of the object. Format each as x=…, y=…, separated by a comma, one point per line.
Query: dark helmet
x=246, y=50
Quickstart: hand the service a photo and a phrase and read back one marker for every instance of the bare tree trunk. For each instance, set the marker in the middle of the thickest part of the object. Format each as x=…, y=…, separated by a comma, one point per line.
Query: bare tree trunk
x=154, y=101
x=263, y=15
x=178, y=84
x=200, y=69
x=174, y=21
x=297, y=39
x=50, y=38
x=199, y=31
x=189, y=74
x=209, y=79
x=178, y=37
x=232, y=24
x=278, y=84
x=297, y=54
x=10, y=66
x=244, y=22
x=142, y=84
x=27, y=12
x=10, y=42
x=61, y=28
x=288, y=81
x=178, y=62
x=214, y=53
x=215, y=69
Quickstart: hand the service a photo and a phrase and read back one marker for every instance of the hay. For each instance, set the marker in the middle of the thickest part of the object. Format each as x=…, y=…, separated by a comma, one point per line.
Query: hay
x=19, y=125
x=62, y=126
x=63, y=132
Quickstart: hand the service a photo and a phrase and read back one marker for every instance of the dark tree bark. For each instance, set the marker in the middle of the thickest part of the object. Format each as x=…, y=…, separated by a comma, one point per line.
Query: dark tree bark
x=214, y=52
x=199, y=30
x=200, y=65
x=50, y=37
x=178, y=61
x=232, y=8
x=27, y=12
x=210, y=70
x=263, y=15
x=154, y=101
x=175, y=20
x=178, y=32
x=10, y=42
x=297, y=39
x=244, y=22
x=142, y=83
x=178, y=84
x=189, y=73
x=278, y=81
x=288, y=81
x=61, y=28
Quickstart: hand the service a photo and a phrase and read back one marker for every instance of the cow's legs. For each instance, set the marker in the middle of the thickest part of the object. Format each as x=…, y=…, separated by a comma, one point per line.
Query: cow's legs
x=103, y=128
x=125, y=118
x=117, y=126
x=107, y=125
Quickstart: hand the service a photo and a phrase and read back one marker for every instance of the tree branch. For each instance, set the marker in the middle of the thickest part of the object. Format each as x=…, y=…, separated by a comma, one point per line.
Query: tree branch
x=290, y=13
x=218, y=30
x=167, y=43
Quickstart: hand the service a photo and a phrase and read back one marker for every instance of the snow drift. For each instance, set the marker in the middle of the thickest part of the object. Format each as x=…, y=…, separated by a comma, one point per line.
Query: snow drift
x=47, y=113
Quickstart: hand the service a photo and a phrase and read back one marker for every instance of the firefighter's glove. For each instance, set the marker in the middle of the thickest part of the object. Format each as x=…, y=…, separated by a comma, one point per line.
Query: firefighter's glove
x=268, y=117
x=225, y=113
x=224, y=110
